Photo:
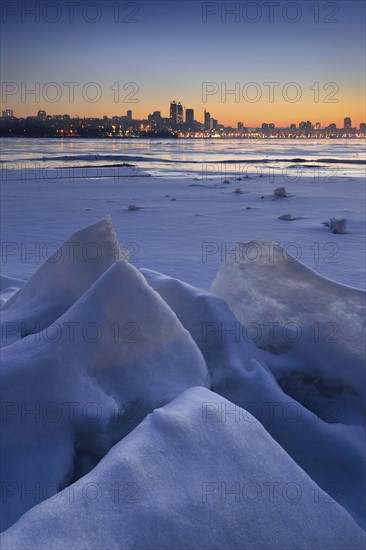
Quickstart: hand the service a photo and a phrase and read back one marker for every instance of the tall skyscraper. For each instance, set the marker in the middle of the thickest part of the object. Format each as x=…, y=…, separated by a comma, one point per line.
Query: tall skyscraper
x=173, y=112
x=240, y=127
x=129, y=116
x=307, y=126
x=189, y=116
x=179, y=113
x=347, y=123
x=207, y=121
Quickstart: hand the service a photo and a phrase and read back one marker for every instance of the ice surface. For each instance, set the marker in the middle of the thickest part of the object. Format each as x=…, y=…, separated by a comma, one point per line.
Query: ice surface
x=166, y=235
x=194, y=476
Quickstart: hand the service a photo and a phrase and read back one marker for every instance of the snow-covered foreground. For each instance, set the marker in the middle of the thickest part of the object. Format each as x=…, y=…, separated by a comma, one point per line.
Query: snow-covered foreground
x=187, y=478
x=139, y=411
x=186, y=226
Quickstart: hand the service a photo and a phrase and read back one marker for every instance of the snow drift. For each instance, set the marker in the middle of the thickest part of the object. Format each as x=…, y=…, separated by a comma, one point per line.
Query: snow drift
x=192, y=475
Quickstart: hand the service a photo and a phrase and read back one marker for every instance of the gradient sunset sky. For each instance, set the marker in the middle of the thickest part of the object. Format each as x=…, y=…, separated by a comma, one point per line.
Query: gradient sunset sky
x=169, y=49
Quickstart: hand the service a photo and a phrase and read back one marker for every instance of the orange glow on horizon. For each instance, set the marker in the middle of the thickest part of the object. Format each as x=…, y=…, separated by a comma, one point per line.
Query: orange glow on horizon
x=280, y=112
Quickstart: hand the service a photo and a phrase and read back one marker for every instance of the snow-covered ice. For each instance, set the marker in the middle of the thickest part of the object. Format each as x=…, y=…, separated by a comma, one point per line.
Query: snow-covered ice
x=192, y=475
x=60, y=281
x=140, y=411
x=310, y=398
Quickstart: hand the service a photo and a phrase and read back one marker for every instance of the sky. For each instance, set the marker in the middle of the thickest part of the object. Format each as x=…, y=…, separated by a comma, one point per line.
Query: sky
x=284, y=61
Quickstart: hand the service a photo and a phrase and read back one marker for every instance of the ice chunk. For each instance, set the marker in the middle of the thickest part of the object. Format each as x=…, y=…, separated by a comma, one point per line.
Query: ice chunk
x=336, y=225
x=74, y=389
x=8, y=287
x=264, y=283
x=280, y=192
x=286, y=217
x=60, y=281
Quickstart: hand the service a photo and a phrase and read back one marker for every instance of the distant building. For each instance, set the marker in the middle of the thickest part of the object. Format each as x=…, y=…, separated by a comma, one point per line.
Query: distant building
x=306, y=127
x=173, y=112
x=179, y=113
x=267, y=127
x=155, y=116
x=42, y=115
x=156, y=120
x=213, y=123
x=292, y=126
x=317, y=126
x=363, y=127
x=207, y=121
x=176, y=113
x=332, y=127
x=129, y=116
x=189, y=116
x=8, y=113
x=240, y=127
x=347, y=123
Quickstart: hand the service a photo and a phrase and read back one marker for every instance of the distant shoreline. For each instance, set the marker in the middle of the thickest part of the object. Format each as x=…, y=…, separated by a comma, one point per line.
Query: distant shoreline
x=233, y=138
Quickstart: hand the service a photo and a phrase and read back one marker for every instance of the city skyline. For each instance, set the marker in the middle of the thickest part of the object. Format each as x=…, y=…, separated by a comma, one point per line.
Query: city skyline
x=178, y=115
x=180, y=123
